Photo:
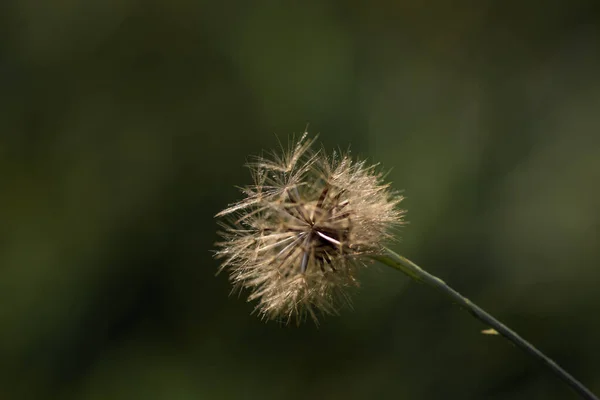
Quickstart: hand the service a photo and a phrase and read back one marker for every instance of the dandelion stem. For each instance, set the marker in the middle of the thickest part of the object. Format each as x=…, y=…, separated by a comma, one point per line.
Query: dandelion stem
x=396, y=261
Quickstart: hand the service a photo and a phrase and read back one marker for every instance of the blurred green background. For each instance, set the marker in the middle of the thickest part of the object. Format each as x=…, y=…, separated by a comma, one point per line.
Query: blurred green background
x=123, y=129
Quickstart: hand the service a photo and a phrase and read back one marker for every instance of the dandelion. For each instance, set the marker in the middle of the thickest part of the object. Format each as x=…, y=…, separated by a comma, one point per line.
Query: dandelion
x=304, y=228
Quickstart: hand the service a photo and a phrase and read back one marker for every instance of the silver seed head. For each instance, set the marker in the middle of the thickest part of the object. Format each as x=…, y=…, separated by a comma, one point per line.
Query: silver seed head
x=303, y=229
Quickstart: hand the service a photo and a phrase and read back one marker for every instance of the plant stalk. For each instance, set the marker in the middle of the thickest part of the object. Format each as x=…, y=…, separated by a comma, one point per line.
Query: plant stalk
x=398, y=262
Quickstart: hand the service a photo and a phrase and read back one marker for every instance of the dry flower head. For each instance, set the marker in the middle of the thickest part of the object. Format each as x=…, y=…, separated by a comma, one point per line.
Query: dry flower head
x=303, y=228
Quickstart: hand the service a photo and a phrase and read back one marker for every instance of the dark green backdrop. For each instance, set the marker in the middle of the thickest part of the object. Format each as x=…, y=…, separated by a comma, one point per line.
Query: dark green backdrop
x=123, y=129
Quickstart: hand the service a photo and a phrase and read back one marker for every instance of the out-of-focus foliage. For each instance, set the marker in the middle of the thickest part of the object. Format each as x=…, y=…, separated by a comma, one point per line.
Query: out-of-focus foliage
x=123, y=128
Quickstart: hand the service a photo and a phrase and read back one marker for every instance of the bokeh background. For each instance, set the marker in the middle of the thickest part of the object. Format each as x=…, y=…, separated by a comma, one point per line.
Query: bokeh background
x=124, y=126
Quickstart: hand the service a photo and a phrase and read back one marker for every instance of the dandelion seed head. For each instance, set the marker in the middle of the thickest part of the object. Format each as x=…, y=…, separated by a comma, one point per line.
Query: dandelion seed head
x=303, y=229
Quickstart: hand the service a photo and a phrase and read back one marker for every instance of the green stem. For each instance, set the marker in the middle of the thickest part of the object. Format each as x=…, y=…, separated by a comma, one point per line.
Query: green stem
x=414, y=271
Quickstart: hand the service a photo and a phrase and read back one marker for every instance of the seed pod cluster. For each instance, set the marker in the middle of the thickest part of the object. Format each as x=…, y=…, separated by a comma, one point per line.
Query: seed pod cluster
x=303, y=229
